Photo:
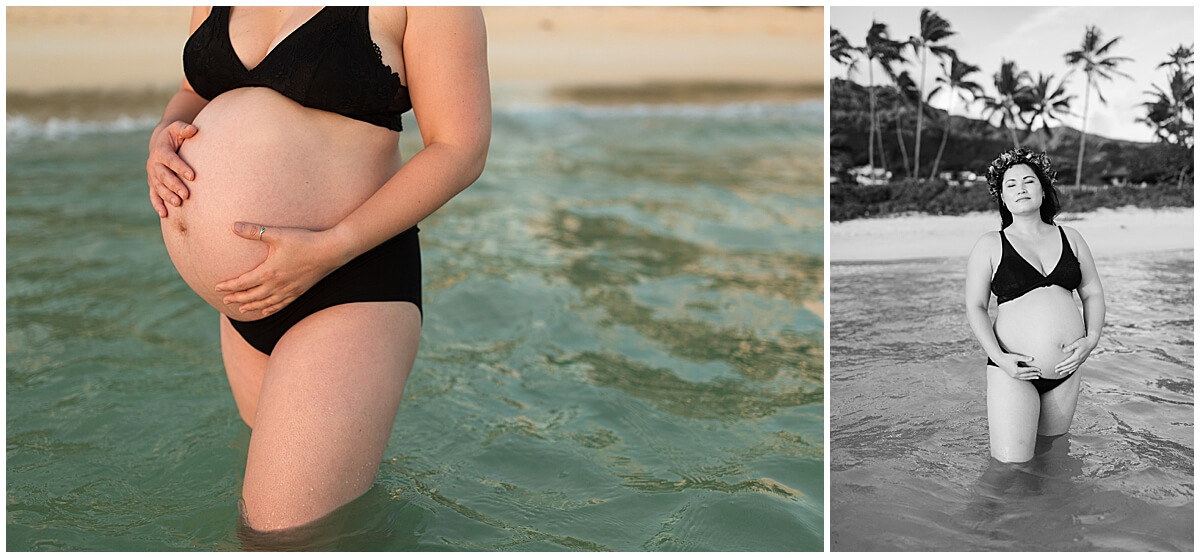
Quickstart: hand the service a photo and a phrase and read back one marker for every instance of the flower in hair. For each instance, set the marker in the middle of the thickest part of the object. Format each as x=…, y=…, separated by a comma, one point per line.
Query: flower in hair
x=1018, y=156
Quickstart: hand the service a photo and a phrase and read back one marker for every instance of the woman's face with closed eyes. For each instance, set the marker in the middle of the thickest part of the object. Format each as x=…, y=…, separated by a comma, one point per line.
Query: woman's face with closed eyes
x=1020, y=189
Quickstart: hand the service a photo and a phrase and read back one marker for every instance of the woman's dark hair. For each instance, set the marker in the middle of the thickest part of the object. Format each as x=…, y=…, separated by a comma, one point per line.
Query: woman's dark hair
x=1039, y=163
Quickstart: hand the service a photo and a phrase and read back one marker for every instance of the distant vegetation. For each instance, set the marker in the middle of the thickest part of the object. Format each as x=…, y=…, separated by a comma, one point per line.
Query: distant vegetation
x=877, y=126
x=936, y=197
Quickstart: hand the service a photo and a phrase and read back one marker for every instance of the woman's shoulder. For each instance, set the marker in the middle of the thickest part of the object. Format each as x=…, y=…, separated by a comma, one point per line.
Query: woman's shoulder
x=990, y=238
x=988, y=243
x=1074, y=237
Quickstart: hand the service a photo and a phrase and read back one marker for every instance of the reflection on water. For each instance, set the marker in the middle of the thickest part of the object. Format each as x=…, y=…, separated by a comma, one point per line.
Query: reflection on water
x=910, y=467
x=1048, y=474
x=622, y=349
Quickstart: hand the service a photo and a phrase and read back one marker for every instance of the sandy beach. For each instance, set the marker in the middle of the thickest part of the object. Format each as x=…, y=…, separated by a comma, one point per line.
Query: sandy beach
x=533, y=51
x=1108, y=232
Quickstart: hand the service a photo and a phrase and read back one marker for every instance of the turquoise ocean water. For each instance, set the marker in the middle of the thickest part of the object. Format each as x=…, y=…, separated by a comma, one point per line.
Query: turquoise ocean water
x=622, y=347
x=909, y=460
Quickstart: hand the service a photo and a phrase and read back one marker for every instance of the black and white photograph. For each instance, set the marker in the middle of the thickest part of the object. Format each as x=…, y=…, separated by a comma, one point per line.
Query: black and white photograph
x=1011, y=279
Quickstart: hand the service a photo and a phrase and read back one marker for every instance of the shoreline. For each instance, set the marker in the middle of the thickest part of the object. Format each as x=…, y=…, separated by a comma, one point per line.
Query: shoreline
x=1108, y=232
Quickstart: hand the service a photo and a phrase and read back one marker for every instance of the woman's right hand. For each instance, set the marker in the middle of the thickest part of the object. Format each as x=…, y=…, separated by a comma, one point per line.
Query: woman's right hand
x=164, y=167
x=1017, y=366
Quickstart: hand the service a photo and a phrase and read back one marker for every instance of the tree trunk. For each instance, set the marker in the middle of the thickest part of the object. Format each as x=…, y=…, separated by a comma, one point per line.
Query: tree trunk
x=879, y=140
x=903, y=150
x=871, y=134
x=916, y=169
x=945, y=134
x=1087, y=94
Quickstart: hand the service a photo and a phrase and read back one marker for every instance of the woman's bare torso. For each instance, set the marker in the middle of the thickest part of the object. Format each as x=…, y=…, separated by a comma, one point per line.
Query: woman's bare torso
x=1038, y=324
x=260, y=157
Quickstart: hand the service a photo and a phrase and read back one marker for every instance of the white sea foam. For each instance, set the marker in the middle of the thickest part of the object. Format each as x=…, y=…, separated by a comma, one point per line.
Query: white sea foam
x=634, y=110
x=19, y=127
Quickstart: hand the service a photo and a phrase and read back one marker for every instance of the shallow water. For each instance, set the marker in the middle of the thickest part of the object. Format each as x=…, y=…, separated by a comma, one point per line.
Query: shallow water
x=909, y=462
x=622, y=347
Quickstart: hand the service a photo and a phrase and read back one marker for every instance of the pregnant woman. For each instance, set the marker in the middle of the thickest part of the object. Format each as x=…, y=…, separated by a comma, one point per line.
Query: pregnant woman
x=1039, y=339
x=284, y=204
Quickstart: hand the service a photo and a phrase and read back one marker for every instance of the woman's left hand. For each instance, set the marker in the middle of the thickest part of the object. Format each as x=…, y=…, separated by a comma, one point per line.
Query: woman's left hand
x=1079, y=351
x=296, y=259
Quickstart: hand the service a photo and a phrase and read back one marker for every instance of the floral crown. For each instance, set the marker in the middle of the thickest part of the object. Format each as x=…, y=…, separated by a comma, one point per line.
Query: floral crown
x=1018, y=156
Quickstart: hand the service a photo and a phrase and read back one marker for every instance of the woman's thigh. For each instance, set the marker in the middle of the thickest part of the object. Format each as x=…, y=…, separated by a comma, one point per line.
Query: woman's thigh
x=1013, y=408
x=245, y=367
x=328, y=401
x=1058, y=407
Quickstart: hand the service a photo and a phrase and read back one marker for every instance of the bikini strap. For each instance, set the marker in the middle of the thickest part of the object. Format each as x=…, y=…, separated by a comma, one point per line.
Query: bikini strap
x=1067, y=244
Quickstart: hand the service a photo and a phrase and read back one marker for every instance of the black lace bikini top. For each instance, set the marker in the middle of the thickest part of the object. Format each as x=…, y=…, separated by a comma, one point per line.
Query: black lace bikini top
x=1015, y=276
x=328, y=63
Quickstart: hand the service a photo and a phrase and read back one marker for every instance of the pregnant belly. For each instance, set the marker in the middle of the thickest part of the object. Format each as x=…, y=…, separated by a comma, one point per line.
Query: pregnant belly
x=1038, y=325
x=261, y=158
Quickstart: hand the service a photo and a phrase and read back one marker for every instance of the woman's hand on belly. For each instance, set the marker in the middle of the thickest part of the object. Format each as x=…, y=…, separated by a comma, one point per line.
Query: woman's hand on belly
x=1079, y=351
x=296, y=259
x=1017, y=366
x=164, y=167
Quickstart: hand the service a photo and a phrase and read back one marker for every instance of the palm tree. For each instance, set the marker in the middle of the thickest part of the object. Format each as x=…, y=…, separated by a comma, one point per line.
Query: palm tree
x=1097, y=65
x=894, y=56
x=1166, y=112
x=1044, y=103
x=954, y=78
x=1010, y=85
x=934, y=29
x=908, y=95
x=878, y=48
x=1179, y=98
x=842, y=52
x=1180, y=58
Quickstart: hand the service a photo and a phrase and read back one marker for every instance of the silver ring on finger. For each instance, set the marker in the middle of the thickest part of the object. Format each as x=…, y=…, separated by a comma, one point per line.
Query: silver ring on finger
x=261, y=230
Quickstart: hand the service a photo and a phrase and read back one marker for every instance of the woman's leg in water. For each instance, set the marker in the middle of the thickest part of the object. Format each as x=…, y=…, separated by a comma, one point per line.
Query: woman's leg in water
x=1013, y=408
x=328, y=399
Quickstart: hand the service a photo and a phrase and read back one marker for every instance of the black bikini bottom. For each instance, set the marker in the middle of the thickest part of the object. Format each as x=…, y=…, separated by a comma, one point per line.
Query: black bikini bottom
x=386, y=273
x=1041, y=384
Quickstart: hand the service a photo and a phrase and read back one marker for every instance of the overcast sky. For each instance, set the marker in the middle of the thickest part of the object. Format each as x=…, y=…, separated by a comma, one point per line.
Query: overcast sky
x=1037, y=39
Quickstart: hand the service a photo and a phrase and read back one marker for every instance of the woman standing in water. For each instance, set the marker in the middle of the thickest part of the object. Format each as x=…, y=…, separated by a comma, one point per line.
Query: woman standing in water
x=284, y=203
x=1039, y=340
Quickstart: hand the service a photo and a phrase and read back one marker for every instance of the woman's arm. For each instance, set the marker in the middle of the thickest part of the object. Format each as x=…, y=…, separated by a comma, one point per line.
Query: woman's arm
x=445, y=60
x=163, y=166
x=977, y=295
x=1091, y=292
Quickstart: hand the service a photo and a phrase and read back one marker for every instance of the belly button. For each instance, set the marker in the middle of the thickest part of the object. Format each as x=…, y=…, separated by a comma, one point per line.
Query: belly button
x=181, y=225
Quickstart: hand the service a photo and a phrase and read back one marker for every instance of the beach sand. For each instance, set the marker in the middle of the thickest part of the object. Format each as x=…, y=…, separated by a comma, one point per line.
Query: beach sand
x=534, y=52
x=1108, y=232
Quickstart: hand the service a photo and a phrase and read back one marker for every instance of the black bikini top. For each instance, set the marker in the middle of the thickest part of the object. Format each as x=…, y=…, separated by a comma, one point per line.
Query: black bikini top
x=328, y=63
x=1015, y=276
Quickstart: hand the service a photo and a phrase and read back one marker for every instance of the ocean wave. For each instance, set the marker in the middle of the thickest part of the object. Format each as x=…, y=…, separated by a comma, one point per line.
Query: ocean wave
x=19, y=127
x=736, y=109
